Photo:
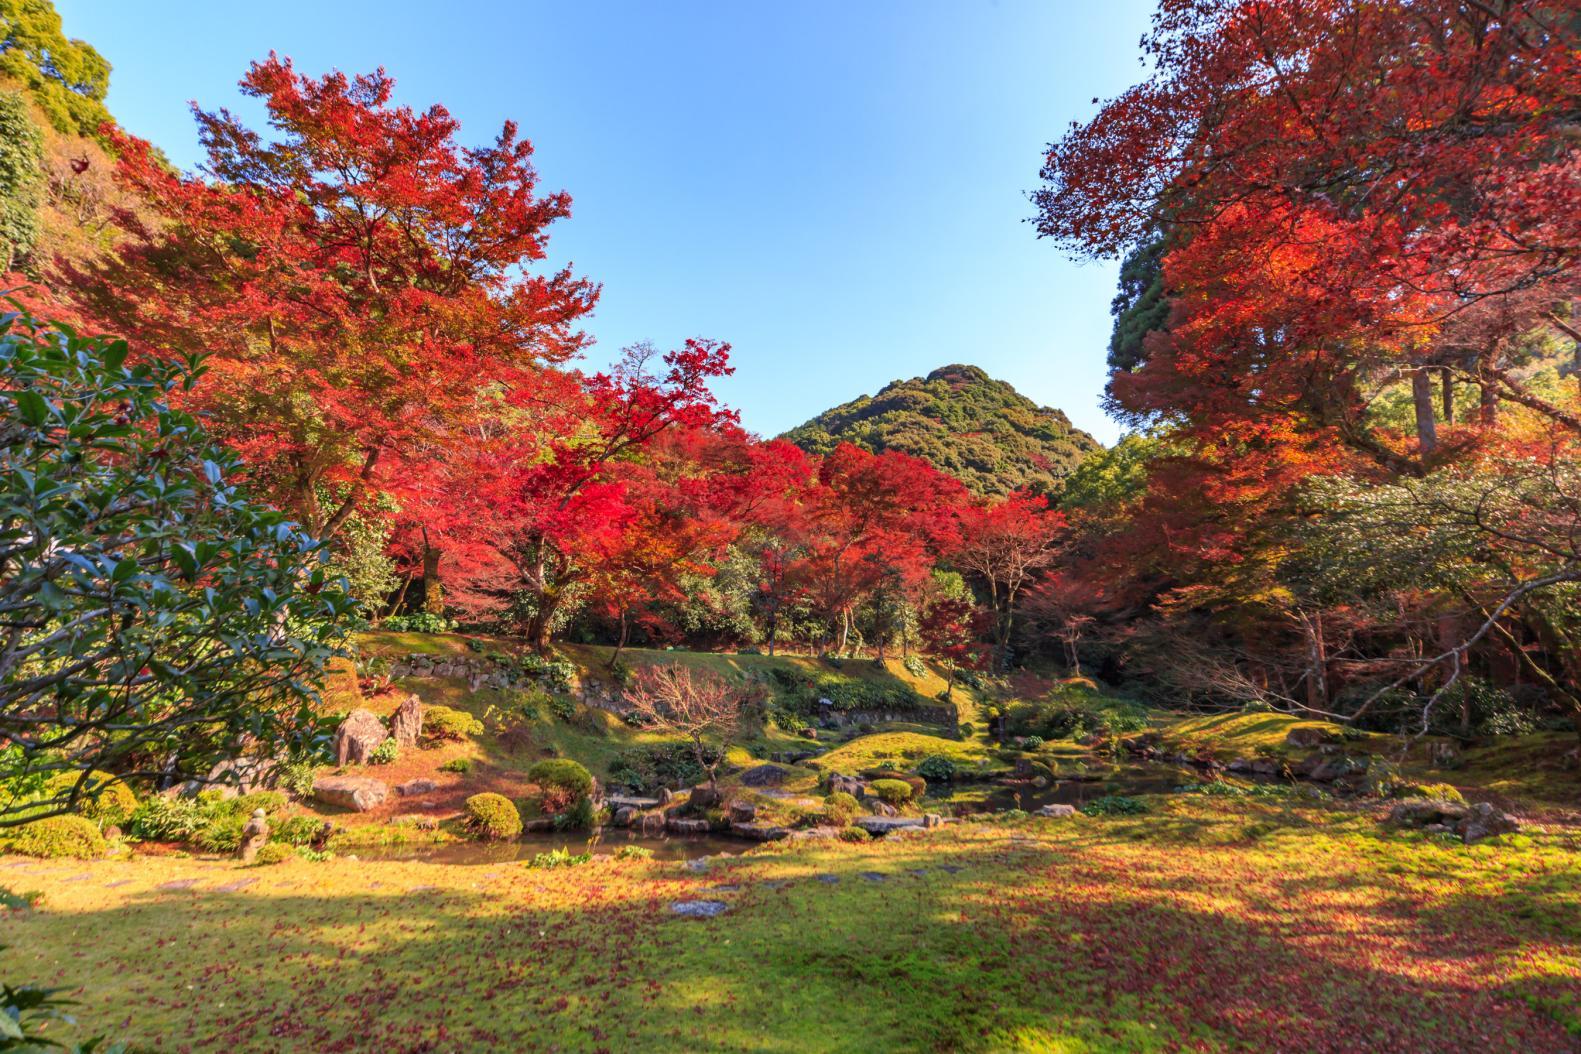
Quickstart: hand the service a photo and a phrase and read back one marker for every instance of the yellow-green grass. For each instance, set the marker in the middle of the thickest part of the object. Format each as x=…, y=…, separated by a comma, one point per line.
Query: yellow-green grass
x=903, y=750
x=1252, y=734
x=1211, y=925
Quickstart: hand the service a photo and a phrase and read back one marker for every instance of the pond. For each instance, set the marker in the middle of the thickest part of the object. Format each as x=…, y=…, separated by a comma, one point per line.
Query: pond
x=604, y=842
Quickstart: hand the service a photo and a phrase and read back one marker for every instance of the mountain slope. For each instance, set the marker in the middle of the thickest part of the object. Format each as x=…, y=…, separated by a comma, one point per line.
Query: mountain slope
x=983, y=431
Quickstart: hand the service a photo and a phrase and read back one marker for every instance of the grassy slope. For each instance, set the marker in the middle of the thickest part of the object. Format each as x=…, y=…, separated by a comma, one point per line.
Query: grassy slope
x=1222, y=925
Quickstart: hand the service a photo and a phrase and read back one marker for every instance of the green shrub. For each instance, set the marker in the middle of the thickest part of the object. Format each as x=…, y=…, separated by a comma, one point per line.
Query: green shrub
x=580, y=815
x=418, y=622
x=556, y=673
x=295, y=830
x=915, y=666
x=563, y=773
x=386, y=753
x=854, y=834
x=457, y=765
x=840, y=808
x=1114, y=805
x=162, y=819
x=59, y=837
x=244, y=804
x=492, y=816
x=937, y=768
x=297, y=776
x=105, y=798
x=274, y=853
x=893, y=791
x=222, y=832
x=918, y=785
x=561, y=857
x=967, y=730
x=633, y=852
x=661, y=765
x=448, y=723
x=1032, y=743
x=563, y=707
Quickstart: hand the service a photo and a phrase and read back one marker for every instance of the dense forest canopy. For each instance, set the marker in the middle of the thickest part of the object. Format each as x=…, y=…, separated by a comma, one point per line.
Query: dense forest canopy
x=963, y=422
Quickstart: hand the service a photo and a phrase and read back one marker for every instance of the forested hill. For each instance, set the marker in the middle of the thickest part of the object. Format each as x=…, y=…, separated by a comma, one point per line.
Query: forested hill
x=965, y=423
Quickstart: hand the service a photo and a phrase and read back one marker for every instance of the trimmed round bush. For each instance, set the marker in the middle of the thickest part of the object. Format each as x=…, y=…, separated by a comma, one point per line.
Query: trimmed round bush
x=854, y=834
x=936, y=768
x=563, y=785
x=59, y=838
x=1032, y=743
x=275, y=853
x=492, y=816
x=895, y=792
x=840, y=808
x=448, y=723
x=105, y=798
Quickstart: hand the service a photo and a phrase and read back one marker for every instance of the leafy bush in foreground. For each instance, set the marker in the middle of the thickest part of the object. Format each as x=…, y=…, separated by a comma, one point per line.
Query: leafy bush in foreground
x=148, y=594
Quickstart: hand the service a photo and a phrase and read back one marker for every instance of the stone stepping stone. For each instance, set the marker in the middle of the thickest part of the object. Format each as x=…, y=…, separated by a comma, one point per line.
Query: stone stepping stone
x=699, y=864
x=421, y=889
x=699, y=909
x=118, y=883
x=828, y=879
x=180, y=883
x=953, y=869
x=874, y=876
x=76, y=878
x=725, y=887
x=917, y=872
x=776, y=883
x=236, y=886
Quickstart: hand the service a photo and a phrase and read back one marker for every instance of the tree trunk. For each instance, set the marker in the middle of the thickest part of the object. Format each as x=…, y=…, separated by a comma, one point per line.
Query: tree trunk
x=433, y=594
x=1422, y=396
x=1448, y=381
x=1488, y=406
x=620, y=642
x=1317, y=659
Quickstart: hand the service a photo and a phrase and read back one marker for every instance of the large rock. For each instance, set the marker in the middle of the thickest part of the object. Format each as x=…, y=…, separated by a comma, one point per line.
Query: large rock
x=358, y=737
x=356, y=793
x=703, y=797
x=1311, y=736
x=1057, y=811
x=406, y=724
x=623, y=801
x=1419, y=812
x=764, y=776
x=760, y=832
x=886, y=824
x=1483, y=820
x=743, y=812
x=681, y=825
x=412, y=788
x=624, y=816
x=849, y=785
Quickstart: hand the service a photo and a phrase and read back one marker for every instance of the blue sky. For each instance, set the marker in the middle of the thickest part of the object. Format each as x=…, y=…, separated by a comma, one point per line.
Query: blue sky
x=836, y=188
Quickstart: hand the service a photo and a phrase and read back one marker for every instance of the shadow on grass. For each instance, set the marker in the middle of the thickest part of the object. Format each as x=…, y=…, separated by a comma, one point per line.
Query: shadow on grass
x=986, y=939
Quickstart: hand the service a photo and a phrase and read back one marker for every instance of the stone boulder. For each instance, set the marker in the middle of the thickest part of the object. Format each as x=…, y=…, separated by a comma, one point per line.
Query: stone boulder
x=743, y=812
x=1057, y=811
x=412, y=788
x=624, y=816
x=764, y=776
x=652, y=823
x=877, y=825
x=1420, y=812
x=356, y=793
x=703, y=797
x=358, y=737
x=760, y=832
x=406, y=724
x=1483, y=820
x=1306, y=738
x=849, y=785
x=1444, y=755
x=681, y=825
